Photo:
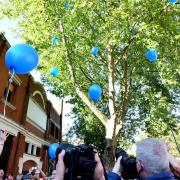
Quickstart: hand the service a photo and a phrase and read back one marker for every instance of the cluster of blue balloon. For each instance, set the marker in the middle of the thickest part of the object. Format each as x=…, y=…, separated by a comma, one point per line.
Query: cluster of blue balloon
x=95, y=92
x=21, y=58
x=172, y=1
x=152, y=55
x=54, y=71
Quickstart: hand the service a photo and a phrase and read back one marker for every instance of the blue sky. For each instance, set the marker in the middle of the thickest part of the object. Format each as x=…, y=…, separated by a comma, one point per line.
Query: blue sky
x=7, y=25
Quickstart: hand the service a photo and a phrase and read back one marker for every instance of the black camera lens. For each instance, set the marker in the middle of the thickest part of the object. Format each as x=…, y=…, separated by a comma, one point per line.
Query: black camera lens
x=68, y=151
x=79, y=161
x=128, y=164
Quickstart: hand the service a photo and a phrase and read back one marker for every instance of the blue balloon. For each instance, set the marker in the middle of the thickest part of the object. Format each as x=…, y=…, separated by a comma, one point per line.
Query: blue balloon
x=95, y=92
x=172, y=1
x=55, y=41
x=54, y=71
x=66, y=4
x=152, y=55
x=52, y=150
x=94, y=51
x=21, y=58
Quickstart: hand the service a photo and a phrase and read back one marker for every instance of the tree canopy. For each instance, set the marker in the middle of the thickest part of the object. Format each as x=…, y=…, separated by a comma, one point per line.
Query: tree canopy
x=137, y=93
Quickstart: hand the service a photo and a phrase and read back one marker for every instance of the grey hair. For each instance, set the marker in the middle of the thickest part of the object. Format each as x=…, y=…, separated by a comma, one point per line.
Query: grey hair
x=154, y=155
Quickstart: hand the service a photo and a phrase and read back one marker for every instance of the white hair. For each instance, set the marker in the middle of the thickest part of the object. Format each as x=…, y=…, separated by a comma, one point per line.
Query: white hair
x=154, y=155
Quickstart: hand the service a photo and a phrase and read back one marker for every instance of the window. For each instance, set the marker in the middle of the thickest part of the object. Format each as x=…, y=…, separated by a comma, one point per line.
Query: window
x=52, y=129
x=38, y=151
x=39, y=118
x=27, y=145
x=32, y=148
x=57, y=133
x=10, y=94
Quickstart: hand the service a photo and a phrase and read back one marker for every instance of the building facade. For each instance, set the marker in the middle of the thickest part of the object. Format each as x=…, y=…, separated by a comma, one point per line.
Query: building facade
x=29, y=118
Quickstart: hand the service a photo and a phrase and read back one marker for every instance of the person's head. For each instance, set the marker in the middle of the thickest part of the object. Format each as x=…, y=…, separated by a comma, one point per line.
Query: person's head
x=1, y=173
x=37, y=173
x=35, y=178
x=10, y=177
x=152, y=157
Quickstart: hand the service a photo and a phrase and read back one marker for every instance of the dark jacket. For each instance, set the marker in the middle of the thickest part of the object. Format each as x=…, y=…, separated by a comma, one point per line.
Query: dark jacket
x=113, y=176
x=161, y=176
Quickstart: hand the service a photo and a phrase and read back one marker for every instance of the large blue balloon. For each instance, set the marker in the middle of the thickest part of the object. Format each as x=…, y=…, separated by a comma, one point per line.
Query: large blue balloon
x=52, y=150
x=95, y=51
x=54, y=71
x=95, y=92
x=21, y=58
x=152, y=55
x=172, y=1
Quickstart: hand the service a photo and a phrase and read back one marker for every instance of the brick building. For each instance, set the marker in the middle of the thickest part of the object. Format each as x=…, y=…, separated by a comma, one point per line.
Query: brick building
x=30, y=119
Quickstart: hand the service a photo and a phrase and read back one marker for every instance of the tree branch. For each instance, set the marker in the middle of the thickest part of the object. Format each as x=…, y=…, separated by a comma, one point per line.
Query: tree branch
x=125, y=94
x=80, y=93
x=84, y=73
x=125, y=49
x=111, y=69
x=111, y=129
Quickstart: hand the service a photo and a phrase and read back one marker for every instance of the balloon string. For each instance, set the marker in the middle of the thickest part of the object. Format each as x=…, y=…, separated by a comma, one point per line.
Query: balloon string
x=7, y=93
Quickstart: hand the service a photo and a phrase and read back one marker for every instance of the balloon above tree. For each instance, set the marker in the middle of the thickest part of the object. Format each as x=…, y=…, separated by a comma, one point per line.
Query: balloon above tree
x=55, y=41
x=52, y=150
x=95, y=51
x=54, y=71
x=152, y=55
x=21, y=58
x=172, y=1
x=66, y=4
x=95, y=92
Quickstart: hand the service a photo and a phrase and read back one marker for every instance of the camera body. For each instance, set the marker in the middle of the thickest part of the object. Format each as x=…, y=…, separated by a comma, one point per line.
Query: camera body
x=128, y=164
x=79, y=160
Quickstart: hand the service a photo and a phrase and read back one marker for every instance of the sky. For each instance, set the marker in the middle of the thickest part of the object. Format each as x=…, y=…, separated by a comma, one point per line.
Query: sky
x=7, y=25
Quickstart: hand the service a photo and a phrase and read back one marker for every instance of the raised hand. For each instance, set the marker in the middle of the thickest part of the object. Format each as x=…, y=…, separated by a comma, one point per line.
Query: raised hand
x=3, y=136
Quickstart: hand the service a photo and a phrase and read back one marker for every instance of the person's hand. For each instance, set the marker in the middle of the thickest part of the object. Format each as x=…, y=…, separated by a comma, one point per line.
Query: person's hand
x=60, y=167
x=99, y=170
x=117, y=166
x=3, y=137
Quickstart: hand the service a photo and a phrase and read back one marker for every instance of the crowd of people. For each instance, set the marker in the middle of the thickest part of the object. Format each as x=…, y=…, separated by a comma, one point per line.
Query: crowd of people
x=153, y=162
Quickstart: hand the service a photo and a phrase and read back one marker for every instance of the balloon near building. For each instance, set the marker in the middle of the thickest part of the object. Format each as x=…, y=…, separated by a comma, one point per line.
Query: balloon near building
x=52, y=150
x=21, y=58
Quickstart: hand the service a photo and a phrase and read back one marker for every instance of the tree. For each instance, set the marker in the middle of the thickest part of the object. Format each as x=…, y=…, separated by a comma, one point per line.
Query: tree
x=123, y=31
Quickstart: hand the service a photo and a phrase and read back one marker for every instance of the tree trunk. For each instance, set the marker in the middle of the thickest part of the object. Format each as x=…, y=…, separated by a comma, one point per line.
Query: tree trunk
x=108, y=156
x=112, y=131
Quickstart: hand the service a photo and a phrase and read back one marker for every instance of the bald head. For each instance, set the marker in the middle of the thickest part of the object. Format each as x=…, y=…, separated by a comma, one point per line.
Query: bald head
x=153, y=154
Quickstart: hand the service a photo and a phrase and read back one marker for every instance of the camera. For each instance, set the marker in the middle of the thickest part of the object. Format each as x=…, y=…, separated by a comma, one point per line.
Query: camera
x=128, y=164
x=79, y=160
